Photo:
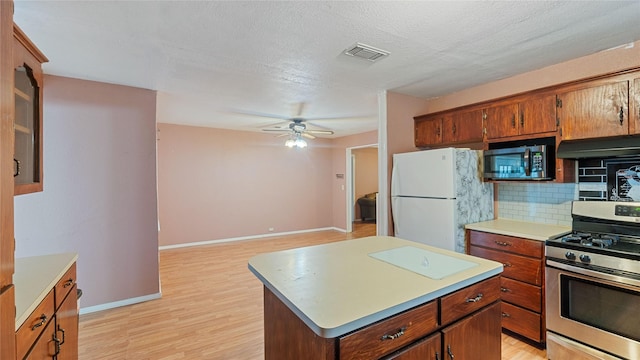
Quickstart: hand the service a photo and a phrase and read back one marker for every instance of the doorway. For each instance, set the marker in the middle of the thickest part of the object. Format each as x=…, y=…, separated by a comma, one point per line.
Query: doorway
x=362, y=182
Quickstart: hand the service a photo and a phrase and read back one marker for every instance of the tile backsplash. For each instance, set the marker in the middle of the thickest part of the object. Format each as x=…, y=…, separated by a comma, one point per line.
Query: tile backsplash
x=547, y=203
x=612, y=179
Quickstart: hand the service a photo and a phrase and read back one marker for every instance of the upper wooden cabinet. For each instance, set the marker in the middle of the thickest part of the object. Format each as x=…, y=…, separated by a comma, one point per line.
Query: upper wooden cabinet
x=533, y=115
x=428, y=132
x=634, y=107
x=597, y=110
x=28, y=76
x=456, y=127
x=462, y=127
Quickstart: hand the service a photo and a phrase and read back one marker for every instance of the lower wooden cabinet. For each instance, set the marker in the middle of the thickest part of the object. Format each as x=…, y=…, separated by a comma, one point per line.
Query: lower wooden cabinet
x=522, y=281
x=67, y=327
x=51, y=332
x=462, y=324
x=474, y=335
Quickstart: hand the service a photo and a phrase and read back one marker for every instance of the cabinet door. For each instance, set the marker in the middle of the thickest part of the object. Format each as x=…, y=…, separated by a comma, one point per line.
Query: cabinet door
x=45, y=346
x=426, y=349
x=502, y=121
x=635, y=108
x=476, y=334
x=462, y=127
x=7, y=324
x=537, y=115
x=67, y=326
x=596, y=111
x=428, y=132
x=28, y=114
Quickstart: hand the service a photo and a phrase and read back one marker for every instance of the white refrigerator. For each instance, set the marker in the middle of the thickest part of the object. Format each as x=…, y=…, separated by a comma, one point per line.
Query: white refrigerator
x=435, y=193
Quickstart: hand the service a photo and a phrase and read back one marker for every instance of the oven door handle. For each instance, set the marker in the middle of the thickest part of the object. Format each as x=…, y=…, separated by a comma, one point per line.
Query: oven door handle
x=632, y=283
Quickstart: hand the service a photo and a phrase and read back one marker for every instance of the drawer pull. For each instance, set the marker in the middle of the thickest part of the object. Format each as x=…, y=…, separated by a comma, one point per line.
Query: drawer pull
x=68, y=283
x=504, y=290
x=394, y=336
x=507, y=264
x=505, y=315
x=43, y=320
x=502, y=243
x=475, y=299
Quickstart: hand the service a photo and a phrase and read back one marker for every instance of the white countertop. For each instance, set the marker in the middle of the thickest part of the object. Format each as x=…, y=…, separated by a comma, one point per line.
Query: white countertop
x=34, y=277
x=338, y=287
x=523, y=229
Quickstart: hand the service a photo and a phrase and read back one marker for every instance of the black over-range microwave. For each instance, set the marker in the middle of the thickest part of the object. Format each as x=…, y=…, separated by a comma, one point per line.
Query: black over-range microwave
x=535, y=162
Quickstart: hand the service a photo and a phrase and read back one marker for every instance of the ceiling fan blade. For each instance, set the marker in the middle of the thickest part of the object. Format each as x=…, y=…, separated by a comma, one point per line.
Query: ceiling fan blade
x=277, y=130
x=300, y=109
x=307, y=135
x=321, y=132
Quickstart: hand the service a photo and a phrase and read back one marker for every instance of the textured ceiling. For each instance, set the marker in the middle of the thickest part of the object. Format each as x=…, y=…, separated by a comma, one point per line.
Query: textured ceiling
x=244, y=65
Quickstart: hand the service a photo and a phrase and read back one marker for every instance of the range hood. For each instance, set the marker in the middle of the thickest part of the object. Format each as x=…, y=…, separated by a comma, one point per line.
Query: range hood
x=599, y=148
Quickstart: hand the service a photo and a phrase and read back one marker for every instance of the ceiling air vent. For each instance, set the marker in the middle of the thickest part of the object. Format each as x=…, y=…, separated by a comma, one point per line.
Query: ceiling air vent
x=366, y=52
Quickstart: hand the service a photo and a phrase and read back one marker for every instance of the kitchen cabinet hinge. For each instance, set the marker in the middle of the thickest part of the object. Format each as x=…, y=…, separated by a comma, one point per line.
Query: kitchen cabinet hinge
x=558, y=103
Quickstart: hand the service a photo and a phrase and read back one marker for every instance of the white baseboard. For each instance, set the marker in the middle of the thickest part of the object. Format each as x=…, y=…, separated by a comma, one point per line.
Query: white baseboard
x=115, y=304
x=252, y=237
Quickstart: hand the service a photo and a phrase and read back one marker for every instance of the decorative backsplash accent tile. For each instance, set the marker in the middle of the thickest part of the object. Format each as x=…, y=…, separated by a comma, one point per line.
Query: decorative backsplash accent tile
x=613, y=179
x=547, y=203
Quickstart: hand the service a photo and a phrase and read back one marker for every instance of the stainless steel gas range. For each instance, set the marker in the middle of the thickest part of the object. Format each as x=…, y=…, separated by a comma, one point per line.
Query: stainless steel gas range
x=593, y=284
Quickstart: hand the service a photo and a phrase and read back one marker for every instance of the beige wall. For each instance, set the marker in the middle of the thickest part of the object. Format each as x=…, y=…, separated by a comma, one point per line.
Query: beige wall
x=400, y=112
x=580, y=68
x=218, y=184
x=99, y=197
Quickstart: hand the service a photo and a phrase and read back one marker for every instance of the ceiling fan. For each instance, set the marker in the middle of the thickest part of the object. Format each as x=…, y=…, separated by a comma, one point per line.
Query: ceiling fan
x=296, y=127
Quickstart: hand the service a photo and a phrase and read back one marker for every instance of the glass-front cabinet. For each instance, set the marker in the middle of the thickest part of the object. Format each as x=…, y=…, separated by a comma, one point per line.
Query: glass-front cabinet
x=27, y=157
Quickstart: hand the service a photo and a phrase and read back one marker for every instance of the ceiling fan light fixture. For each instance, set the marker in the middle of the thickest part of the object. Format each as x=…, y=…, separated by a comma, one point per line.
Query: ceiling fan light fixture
x=296, y=141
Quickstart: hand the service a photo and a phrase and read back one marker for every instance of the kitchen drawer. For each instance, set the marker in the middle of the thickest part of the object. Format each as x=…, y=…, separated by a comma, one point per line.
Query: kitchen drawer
x=515, y=245
x=515, y=266
x=391, y=334
x=522, y=294
x=33, y=325
x=428, y=348
x=65, y=284
x=522, y=321
x=467, y=300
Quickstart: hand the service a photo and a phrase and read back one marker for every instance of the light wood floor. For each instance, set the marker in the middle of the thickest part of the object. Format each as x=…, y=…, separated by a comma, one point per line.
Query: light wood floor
x=211, y=307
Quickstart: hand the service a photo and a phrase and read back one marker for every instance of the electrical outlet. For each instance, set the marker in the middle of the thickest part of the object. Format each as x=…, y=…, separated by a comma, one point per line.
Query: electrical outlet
x=270, y=229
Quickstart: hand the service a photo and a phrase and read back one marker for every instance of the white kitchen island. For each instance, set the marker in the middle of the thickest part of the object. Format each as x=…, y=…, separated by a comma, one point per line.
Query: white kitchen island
x=382, y=294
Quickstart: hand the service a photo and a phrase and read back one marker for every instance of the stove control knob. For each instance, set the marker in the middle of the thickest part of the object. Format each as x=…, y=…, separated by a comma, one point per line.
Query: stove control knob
x=570, y=256
x=585, y=258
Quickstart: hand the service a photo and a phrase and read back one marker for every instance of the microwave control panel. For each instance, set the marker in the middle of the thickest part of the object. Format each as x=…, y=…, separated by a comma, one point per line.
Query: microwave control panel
x=537, y=162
